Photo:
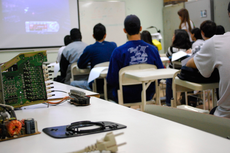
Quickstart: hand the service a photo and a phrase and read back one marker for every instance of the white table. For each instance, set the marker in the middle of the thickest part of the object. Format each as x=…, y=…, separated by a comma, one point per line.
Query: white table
x=145, y=133
x=147, y=76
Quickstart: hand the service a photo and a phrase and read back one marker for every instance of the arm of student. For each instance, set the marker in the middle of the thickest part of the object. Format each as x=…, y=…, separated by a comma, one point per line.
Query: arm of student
x=84, y=59
x=191, y=63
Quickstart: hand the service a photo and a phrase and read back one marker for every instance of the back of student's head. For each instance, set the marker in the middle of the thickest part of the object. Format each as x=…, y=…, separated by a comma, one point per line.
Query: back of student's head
x=99, y=31
x=146, y=36
x=229, y=7
x=75, y=34
x=220, y=30
x=209, y=28
x=132, y=24
x=67, y=40
x=181, y=39
x=197, y=33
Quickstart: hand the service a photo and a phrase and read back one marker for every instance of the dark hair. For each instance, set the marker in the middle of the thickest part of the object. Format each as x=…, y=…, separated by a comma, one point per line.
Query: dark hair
x=146, y=36
x=99, y=31
x=197, y=33
x=220, y=30
x=229, y=7
x=132, y=24
x=209, y=28
x=75, y=34
x=67, y=40
x=181, y=40
x=183, y=13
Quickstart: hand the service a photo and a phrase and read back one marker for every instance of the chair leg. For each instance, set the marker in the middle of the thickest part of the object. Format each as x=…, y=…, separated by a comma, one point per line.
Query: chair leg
x=186, y=97
x=204, y=101
x=105, y=89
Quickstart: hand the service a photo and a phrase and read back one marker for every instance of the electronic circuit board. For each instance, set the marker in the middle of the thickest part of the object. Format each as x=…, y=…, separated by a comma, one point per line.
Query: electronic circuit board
x=22, y=80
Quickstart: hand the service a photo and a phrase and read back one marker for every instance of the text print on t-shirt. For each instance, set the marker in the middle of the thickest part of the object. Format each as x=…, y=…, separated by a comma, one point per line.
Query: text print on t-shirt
x=138, y=55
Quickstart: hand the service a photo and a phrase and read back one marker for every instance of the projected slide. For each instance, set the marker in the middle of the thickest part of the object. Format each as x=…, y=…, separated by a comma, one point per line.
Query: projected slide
x=35, y=21
x=36, y=16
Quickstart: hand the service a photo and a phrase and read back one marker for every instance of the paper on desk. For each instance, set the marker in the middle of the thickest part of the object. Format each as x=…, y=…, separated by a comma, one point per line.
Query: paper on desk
x=164, y=59
x=95, y=73
x=178, y=55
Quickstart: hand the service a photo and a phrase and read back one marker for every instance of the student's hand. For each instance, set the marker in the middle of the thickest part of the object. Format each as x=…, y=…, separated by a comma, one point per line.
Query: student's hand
x=189, y=51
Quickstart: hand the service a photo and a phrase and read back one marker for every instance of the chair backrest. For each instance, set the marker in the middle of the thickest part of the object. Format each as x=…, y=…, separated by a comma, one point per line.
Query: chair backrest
x=123, y=81
x=205, y=122
x=104, y=64
x=76, y=71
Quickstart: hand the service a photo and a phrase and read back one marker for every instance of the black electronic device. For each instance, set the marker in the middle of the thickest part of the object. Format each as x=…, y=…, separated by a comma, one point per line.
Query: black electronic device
x=79, y=98
x=82, y=128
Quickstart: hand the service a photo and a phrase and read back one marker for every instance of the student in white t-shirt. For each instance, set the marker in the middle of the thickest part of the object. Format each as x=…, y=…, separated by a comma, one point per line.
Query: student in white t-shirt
x=215, y=54
x=196, y=37
x=67, y=41
x=185, y=23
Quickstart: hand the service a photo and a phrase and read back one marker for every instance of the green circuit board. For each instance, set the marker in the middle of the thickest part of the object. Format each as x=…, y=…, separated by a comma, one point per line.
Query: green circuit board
x=22, y=80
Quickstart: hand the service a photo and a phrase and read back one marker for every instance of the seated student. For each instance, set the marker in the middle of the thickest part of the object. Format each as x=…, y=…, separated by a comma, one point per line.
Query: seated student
x=196, y=37
x=71, y=54
x=180, y=42
x=67, y=41
x=220, y=30
x=134, y=51
x=208, y=29
x=96, y=53
x=146, y=36
x=215, y=54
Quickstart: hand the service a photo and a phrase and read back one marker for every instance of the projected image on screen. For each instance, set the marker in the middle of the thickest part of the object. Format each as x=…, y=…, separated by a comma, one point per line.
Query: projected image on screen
x=35, y=16
x=36, y=21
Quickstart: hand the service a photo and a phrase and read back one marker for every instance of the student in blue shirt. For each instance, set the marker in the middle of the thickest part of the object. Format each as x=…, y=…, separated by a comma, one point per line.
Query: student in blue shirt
x=94, y=54
x=135, y=51
x=98, y=52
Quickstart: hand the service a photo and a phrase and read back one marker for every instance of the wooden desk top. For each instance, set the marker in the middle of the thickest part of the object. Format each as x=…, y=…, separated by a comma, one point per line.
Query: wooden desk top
x=145, y=133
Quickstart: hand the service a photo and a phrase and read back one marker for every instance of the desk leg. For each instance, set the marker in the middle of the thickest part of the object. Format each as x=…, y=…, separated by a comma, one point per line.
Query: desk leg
x=105, y=89
x=143, y=96
x=158, y=102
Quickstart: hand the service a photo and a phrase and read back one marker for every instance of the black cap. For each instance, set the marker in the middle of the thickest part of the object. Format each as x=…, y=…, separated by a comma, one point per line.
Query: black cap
x=229, y=7
x=132, y=24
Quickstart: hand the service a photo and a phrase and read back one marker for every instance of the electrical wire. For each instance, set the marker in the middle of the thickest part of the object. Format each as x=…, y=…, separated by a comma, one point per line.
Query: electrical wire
x=59, y=102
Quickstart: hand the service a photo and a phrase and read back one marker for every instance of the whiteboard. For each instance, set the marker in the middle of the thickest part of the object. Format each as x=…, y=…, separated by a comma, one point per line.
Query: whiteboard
x=110, y=14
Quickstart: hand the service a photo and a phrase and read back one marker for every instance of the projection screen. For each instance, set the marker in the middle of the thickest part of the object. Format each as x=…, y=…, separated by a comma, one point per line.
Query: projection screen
x=36, y=23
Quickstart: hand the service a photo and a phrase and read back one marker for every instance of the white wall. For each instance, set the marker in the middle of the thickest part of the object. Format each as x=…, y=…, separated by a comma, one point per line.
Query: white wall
x=149, y=12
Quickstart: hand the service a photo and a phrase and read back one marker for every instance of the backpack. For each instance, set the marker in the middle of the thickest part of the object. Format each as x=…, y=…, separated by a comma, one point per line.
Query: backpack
x=193, y=75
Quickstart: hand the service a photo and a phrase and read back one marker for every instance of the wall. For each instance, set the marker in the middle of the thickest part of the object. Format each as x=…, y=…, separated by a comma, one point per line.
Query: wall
x=149, y=12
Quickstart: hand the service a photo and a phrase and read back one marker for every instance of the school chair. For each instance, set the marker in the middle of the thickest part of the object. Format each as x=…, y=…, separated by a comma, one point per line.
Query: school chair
x=94, y=85
x=185, y=86
x=209, y=123
x=124, y=81
x=75, y=71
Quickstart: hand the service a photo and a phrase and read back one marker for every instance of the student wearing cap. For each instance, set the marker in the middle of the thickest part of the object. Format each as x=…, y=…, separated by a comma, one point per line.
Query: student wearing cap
x=134, y=51
x=215, y=54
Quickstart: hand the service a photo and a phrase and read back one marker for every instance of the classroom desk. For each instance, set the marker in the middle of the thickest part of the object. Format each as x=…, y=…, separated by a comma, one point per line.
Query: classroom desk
x=66, y=88
x=103, y=75
x=147, y=76
x=145, y=133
